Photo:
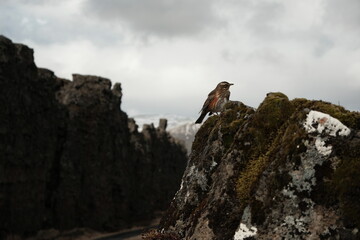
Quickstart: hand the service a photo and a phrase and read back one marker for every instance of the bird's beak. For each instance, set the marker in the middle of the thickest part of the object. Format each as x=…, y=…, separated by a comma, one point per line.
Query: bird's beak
x=231, y=84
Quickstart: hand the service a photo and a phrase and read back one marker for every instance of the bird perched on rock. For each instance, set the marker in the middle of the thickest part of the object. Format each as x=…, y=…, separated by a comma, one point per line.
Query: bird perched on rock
x=216, y=100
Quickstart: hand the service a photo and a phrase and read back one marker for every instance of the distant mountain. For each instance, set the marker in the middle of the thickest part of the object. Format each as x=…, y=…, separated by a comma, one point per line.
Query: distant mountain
x=180, y=127
x=186, y=133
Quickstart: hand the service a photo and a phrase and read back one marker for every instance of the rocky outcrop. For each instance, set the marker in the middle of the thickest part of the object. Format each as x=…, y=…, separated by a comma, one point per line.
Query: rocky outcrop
x=287, y=170
x=31, y=128
x=69, y=158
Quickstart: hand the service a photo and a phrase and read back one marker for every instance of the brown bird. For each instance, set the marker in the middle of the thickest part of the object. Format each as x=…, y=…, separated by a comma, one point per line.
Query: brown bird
x=216, y=100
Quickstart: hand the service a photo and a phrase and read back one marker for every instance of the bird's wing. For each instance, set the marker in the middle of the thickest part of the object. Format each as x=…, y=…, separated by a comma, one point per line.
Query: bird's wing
x=209, y=99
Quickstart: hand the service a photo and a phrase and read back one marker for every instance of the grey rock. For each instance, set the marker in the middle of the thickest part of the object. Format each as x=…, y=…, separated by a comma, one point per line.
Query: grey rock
x=260, y=171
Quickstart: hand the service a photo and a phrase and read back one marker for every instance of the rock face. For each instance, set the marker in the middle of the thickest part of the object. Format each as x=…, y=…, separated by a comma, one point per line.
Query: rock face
x=31, y=128
x=287, y=170
x=69, y=157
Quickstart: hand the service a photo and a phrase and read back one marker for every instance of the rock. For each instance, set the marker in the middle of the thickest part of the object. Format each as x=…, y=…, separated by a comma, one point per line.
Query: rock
x=31, y=128
x=93, y=188
x=162, y=124
x=70, y=157
x=277, y=172
x=133, y=127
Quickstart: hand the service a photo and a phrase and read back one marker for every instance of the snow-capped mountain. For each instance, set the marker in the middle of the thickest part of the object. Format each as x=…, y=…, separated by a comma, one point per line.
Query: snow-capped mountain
x=186, y=133
x=180, y=127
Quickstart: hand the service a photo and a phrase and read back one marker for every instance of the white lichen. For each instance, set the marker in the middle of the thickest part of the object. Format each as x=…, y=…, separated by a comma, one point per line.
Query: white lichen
x=303, y=180
x=325, y=125
x=244, y=232
x=322, y=122
x=213, y=164
x=320, y=146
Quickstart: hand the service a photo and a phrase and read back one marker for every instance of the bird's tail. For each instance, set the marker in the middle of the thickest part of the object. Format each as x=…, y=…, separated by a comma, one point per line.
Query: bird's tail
x=201, y=118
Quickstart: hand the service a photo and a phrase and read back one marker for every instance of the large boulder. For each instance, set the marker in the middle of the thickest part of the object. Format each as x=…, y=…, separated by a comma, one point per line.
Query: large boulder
x=287, y=170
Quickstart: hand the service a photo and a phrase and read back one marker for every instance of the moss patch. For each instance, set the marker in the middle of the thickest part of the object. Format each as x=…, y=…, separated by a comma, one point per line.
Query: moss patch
x=231, y=120
x=265, y=135
x=249, y=178
x=350, y=119
x=228, y=122
x=203, y=133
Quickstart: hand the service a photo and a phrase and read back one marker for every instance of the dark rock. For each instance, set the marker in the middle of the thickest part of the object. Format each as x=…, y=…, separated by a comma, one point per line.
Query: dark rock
x=31, y=126
x=93, y=189
x=68, y=157
x=162, y=124
x=133, y=127
x=265, y=174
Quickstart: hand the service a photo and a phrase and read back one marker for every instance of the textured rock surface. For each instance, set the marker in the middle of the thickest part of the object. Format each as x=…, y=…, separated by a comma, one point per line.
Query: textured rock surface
x=67, y=156
x=282, y=171
x=31, y=125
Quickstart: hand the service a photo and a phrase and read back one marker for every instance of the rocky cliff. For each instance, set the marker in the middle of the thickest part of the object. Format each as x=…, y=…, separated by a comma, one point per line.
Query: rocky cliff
x=69, y=157
x=287, y=170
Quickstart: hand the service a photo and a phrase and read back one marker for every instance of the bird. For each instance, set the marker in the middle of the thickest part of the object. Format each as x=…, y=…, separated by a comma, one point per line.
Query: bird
x=216, y=100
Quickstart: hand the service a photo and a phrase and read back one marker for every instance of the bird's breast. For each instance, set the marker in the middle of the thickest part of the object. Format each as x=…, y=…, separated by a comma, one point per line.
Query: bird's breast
x=214, y=102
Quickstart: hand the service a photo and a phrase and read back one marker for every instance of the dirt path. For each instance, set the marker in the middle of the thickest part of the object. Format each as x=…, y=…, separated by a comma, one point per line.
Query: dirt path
x=128, y=234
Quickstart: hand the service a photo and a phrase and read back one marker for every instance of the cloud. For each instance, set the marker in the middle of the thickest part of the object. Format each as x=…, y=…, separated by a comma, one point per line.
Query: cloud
x=302, y=48
x=51, y=22
x=345, y=15
x=165, y=18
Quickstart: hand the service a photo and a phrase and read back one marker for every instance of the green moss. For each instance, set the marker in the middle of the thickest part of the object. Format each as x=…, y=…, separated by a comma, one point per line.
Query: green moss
x=285, y=143
x=203, y=134
x=249, y=177
x=267, y=133
x=350, y=119
x=228, y=122
x=273, y=111
x=275, y=135
x=231, y=120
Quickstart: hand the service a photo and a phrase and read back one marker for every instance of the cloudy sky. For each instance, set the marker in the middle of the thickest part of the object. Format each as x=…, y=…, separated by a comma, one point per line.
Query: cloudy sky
x=169, y=54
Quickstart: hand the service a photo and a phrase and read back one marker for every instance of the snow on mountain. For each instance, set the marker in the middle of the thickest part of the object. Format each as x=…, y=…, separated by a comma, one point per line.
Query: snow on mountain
x=180, y=127
x=186, y=133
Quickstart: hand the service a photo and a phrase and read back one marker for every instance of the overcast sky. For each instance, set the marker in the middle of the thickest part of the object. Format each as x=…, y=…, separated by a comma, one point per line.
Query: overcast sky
x=169, y=54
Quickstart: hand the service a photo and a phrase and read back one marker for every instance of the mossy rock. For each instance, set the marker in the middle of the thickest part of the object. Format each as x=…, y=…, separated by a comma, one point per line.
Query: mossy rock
x=229, y=122
x=268, y=129
x=350, y=119
x=232, y=118
x=204, y=132
x=258, y=153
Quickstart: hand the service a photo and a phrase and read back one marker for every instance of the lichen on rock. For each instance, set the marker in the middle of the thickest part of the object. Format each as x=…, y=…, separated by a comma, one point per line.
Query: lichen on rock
x=286, y=170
